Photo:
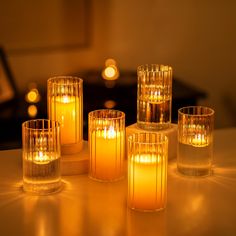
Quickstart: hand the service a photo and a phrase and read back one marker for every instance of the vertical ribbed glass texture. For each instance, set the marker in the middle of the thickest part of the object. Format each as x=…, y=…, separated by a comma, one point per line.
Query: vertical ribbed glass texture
x=65, y=105
x=147, y=171
x=106, y=144
x=195, y=140
x=41, y=156
x=154, y=97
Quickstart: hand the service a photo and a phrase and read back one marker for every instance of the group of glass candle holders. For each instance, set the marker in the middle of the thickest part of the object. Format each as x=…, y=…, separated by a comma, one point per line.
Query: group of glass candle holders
x=44, y=141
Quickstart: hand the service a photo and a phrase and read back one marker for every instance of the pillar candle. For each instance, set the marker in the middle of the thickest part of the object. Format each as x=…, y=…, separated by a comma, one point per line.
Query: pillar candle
x=147, y=171
x=106, y=144
x=107, y=153
x=147, y=181
x=65, y=112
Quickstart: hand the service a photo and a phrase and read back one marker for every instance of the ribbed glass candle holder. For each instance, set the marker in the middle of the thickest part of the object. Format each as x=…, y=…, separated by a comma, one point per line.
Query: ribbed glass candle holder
x=147, y=171
x=154, y=96
x=106, y=144
x=41, y=156
x=195, y=140
x=65, y=105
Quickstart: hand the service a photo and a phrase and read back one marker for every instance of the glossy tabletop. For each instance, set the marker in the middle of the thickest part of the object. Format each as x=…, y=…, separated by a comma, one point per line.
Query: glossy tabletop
x=195, y=206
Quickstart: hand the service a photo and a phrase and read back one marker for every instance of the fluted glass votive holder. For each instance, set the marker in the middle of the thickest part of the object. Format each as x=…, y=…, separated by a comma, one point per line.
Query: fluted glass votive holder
x=195, y=140
x=106, y=144
x=154, y=96
x=65, y=105
x=41, y=156
x=147, y=171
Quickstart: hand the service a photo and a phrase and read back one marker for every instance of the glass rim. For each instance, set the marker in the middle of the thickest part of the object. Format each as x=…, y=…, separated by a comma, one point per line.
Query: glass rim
x=72, y=79
x=147, y=67
x=121, y=116
x=164, y=138
x=210, y=113
x=24, y=124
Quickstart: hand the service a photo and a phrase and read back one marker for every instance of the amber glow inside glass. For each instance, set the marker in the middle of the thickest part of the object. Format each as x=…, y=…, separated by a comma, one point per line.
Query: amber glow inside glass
x=154, y=97
x=65, y=105
x=106, y=144
x=195, y=140
x=41, y=156
x=147, y=171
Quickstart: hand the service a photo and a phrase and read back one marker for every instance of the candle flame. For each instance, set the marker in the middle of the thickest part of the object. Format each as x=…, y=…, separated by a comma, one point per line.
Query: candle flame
x=199, y=140
x=65, y=99
x=41, y=158
x=111, y=132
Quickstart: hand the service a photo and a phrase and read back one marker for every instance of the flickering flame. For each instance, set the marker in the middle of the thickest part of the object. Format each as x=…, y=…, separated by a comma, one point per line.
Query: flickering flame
x=41, y=158
x=199, y=140
x=65, y=99
x=111, y=132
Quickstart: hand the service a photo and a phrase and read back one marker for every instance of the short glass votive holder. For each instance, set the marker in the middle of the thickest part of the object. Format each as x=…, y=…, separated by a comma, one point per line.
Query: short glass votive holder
x=147, y=171
x=41, y=156
x=106, y=144
x=65, y=105
x=195, y=140
x=154, y=96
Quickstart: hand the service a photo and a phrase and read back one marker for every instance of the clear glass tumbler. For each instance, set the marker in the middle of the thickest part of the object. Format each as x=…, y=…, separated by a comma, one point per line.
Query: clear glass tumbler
x=154, y=96
x=106, y=144
x=147, y=171
x=41, y=156
x=195, y=140
x=65, y=105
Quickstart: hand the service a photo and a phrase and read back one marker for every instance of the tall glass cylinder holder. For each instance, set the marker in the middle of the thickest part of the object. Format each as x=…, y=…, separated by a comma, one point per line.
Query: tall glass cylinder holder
x=154, y=96
x=147, y=171
x=65, y=105
x=106, y=144
x=195, y=140
x=41, y=156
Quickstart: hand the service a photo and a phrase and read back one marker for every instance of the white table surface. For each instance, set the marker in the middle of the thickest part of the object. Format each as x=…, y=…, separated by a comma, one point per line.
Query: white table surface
x=195, y=206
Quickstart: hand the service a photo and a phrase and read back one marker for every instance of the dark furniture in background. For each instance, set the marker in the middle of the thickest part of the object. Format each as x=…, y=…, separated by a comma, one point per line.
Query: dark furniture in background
x=96, y=93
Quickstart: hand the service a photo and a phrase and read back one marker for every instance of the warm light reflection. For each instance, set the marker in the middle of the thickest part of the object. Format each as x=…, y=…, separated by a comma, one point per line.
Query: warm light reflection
x=111, y=71
x=33, y=96
x=110, y=62
x=32, y=111
x=109, y=104
x=196, y=203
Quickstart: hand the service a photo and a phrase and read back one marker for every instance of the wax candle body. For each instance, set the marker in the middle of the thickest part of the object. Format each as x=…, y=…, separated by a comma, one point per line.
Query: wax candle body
x=147, y=182
x=65, y=109
x=107, y=154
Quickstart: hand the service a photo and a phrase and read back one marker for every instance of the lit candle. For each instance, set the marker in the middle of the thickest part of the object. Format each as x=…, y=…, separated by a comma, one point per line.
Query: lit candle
x=40, y=158
x=65, y=105
x=65, y=112
x=107, y=154
x=106, y=144
x=147, y=182
x=199, y=140
x=154, y=96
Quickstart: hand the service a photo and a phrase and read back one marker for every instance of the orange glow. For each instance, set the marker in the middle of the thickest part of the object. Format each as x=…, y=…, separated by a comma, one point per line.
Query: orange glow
x=110, y=62
x=109, y=104
x=33, y=96
x=32, y=111
x=110, y=72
